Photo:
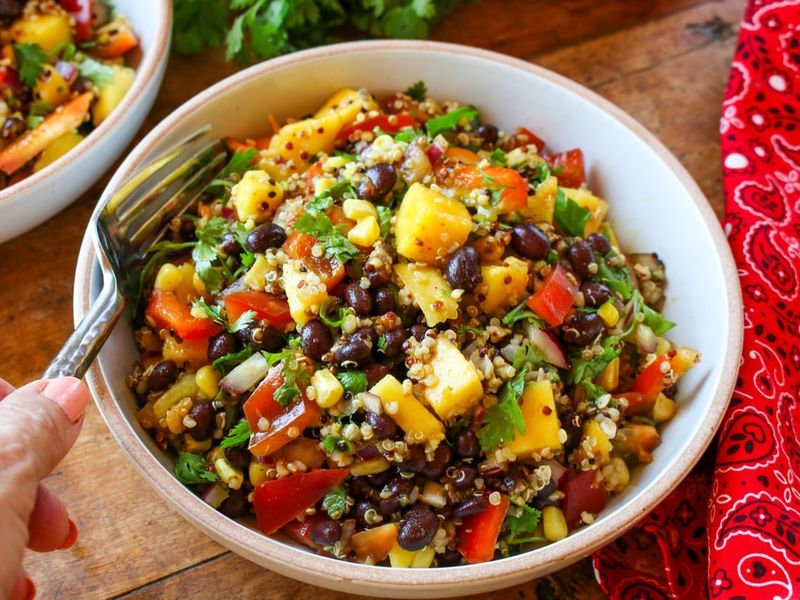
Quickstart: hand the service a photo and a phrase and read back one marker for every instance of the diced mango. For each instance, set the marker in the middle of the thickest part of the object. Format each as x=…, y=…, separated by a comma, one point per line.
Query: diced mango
x=51, y=87
x=365, y=233
x=541, y=421
x=400, y=558
x=375, y=543
x=112, y=93
x=207, y=379
x=596, y=206
x=328, y=390
x=503, y=285
x=346, y=104
x=256, y=196
x=608, y=379
x=50, y=30
x=256, y=276
x=458, y=387
x=57, y=148
x=663, y=409
x=430, y=290
x=356, y=209
x=305, y=291
x=601, y=446
x=408, y=412
x=429, y=225
x=191, y=353
x=609, y=313
x=542, y=204
x=369, y=467
x=684, y=359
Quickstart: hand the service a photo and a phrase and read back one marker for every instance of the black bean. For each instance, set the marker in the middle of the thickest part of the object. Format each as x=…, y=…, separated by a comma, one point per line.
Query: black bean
x=235, y=505
x=462, y=269
x=162, y=375
x=204, y=416
x=580, y=257
x=473, y=505
x=358, y=299
x=511, y=481
x=395, y=495
x=271, y=339
x=384, y=301
x=238, y=457
x=467, y=445
x=415, y=461
x=442, y=457
x=393, y=342
x=229, y=244
x=10, y=9
x=220, y=345
x=542, y=497
x=269, y=235
x=378, y=480
x=488, y=133
x=315, y=339
x=367, y=335
x=383, y=426
x=572, y=424
x=448, y=558
x=529, y=241
x=354, y=352
x=580, y=328
x=599, y=243
x=378, y=276
x=378, y=182
x=375, y=372
x=418, y=331
x=326, y=533
x=463, y=476
x=417, y=528
x=261, y=336
x=595, y=294
x=365, y=513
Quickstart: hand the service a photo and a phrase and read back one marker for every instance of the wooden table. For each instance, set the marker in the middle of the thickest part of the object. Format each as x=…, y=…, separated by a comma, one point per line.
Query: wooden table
x=664, y=61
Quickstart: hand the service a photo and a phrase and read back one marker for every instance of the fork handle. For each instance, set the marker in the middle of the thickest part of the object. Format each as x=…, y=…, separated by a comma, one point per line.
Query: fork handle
x=79, y=350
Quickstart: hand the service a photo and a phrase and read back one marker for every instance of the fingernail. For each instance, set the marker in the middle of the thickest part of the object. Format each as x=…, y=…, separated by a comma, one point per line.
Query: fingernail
x=70, y=394
x=72, y=537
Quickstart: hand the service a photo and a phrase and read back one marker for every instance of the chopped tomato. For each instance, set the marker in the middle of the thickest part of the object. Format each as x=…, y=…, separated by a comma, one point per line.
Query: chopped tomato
x=568, y=167
x=300, y=531
x=9, y=78
x=637, y=440
x=514, y=194
x=477, y=535
x=375, y=543
x=81, y=12
x=524, y=137
x=583, y=492
x=279, y=501
x=555, y=298
x=65, y=119
x=261, y=402
x=121, y=39
x=168, y=312
x=299, y=245
x=286, y=427
x=654, y=378
x=387, y=123
x=462, y=155
x=330, y=270
x=266, y=306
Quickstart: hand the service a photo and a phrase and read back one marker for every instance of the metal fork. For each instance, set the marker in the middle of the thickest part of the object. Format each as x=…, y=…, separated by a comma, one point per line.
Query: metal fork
x=127, y=224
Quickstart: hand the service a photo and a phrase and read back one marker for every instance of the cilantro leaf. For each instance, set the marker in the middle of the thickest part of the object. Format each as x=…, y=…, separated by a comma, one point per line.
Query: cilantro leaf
x=527, y=355
x=335, y=502
x=317, y=224
x=384, y=220
x=518, y=313
x=242, y=322
x=205, y=253
x=191, y=469
x=542, y=172
x=449, y=121
x=418, y=91
x=336, y=319
x=656, y=321
x=212, y=312
x=353, y=382
x=504, y=419
x=31, y=59
x=237, y=436
x=198, y=24
x=295, y=377
x=617, y=280
x=498, y=158
x=225, y=363
x=237, y=164
x=521, y=522
x=570, y=216
x=98, y=73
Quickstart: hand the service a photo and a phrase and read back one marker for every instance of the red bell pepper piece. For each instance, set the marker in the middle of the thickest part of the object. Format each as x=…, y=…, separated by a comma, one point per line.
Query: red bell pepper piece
x=477, y=535
x=330, y=270
x=279, y=501
x=266, y=306
x=387, y=123
x=9, y=79
x=261, y=402
x=523, y=137
x=168, y=312
x=514, y=194
x=81, y=11
x=653, y=379
x=121, y=39
x=583, y=492
x=300, y=531
x=555, y=298
x=285, y=427
x=637, y=403
x=572, y=173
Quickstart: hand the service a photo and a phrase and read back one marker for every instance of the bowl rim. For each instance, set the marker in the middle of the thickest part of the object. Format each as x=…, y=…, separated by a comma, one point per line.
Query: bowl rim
x=323, y=570
x=145, y=73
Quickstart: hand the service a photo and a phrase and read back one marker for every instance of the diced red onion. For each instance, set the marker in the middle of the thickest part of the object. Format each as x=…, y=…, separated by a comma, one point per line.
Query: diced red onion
x=368, y=452
x=214, y=495
x=492, y=468
x=246, y=375
x=434, y=153
x=558, y=472
x=548, y=346
x=67, y=70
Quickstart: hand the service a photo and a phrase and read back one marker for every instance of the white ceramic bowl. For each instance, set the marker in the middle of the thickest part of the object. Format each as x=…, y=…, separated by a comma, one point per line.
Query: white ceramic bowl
x=655, y=206
x=40, y=196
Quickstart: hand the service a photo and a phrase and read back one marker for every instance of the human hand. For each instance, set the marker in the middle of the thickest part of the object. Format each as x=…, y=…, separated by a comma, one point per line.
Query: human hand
x=39, y=422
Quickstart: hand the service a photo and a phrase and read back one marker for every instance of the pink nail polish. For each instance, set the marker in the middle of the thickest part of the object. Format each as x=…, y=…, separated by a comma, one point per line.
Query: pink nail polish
x=72, y=537
x=70, y=394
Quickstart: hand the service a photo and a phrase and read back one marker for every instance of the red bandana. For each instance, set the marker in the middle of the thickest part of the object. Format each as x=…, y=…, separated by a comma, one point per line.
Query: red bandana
x=733, y=531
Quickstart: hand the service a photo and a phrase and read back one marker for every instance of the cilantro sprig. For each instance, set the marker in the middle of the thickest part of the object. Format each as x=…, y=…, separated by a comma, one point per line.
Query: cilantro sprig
x=237, y=436
x=31, y=60
x=521, y=524
x=570, y=216
x=504, y=419
x=313, y=221
x=191, y=469
x=450, y=121
x=417, y=91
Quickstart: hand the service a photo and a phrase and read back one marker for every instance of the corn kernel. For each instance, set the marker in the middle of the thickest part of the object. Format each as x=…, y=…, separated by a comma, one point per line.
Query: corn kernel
x=192, y=445
x=256, y=276
x=365, y=233
x=168, y=279
x=617, y=472
x=369, y=467
x=185, y=288
x=198, y=284
x=609, y=313
x=684, y=359
x=663, y=409
x=328, y=389
x=207, y=380
x=662, y=346
x=423, y=558
x=555, y=525
x=322, y=184
x=609, y=377
x=257, y=473
x=358, y=209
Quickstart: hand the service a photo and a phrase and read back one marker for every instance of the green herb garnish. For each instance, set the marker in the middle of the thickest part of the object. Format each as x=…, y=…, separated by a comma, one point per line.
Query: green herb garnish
x=191, y=469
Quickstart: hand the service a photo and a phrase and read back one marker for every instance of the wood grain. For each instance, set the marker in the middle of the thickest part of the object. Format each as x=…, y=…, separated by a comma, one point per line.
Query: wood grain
x=644, y=56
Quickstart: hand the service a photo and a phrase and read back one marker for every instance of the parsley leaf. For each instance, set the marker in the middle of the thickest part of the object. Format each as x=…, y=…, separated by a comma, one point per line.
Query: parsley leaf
x=504, y=419
x=521, y=522
x=384, y=220
x=237, y=436
x=212, y=312
x=204, y=254
x=31, y=59
x=518, y=313
x=225, y=363
x=570, y=216
x=498, y=158
x=315, y=223
x=98, y=73
x=198, y=24
x=656, y=321
x=418, y=91
x=191, y=469
x=449, y=121
x=354, y=382
x=335, y=502
x=332, y=443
